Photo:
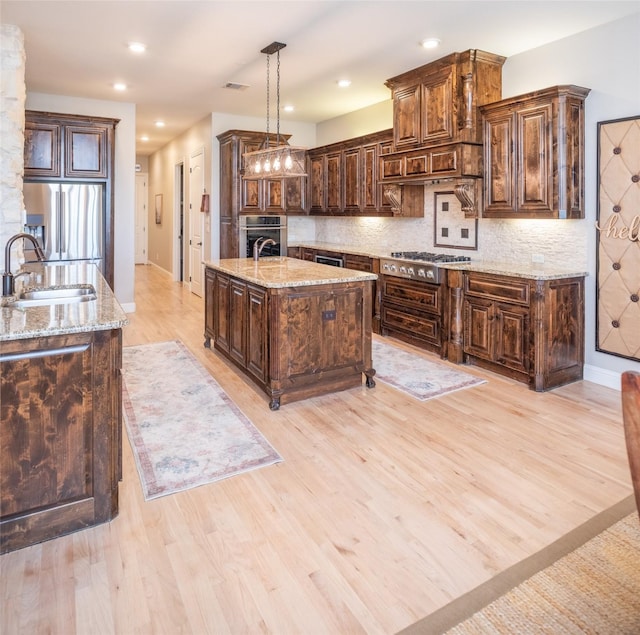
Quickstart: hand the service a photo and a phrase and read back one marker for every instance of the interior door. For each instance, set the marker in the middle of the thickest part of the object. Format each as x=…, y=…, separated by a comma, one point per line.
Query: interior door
x=196, y=223
x=141, y=219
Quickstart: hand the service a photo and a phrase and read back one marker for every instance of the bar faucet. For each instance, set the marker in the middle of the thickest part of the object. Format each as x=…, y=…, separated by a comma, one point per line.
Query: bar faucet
x=8, y=279
x=259, y=245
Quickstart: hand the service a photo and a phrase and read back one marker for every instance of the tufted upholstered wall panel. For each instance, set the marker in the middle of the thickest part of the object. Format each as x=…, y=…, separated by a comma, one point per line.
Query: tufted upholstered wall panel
x=618, y=318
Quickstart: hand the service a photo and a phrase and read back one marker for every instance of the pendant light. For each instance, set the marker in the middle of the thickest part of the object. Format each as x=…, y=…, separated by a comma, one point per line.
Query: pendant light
x=281, y=160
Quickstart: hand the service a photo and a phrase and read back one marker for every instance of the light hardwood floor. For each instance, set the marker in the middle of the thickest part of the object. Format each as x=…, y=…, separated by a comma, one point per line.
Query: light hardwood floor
x=384, y=509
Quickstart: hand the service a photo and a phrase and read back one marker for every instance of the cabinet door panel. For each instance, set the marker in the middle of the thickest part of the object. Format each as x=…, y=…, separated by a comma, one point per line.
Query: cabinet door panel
x=41, y=149
x=237, y=327
x=317, y=184
x=352, y=182
x=437, y=108
x=478, y=319
x=273, y=196
x=257, y=362
x=334, y=183
x=370, y=190
x=535, y=150
x=86, y=152
x=499, y=167
x=251, y=197
x=512, y=328
x=406, y=116
x=221, y=318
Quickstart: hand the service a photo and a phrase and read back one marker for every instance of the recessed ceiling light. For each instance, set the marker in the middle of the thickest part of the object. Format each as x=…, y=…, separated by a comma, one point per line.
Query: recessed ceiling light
x=430, y=43
x=137, y=47
x=344, y=83
x=144, y=137
x=120, y=86
x=288, y=108
x=160, y=124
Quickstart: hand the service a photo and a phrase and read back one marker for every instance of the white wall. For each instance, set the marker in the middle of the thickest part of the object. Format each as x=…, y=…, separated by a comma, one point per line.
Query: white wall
x=124, y=178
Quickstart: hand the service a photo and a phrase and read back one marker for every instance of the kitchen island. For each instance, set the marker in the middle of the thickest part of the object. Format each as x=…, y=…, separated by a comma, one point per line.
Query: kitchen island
x=298, y=329
x=61, y=407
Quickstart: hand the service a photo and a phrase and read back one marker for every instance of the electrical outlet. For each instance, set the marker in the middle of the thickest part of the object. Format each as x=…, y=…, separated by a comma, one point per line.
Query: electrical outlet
x=537, y=258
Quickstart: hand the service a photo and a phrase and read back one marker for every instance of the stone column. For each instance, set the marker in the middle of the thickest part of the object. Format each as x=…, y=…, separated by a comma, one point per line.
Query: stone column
x=12, y=107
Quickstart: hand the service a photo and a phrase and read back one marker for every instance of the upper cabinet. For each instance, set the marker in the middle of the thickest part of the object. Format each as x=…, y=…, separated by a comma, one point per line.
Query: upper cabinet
x=344, y=179
x=437, y=125
x=63, y=147
x=68, y=146
x=534, y=155
x=438, y=103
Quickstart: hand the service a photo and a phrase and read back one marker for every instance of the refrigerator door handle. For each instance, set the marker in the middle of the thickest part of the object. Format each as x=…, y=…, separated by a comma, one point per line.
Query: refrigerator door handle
x=61, y=213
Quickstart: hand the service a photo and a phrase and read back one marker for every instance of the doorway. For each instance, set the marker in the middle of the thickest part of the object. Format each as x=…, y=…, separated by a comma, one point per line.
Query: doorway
x=178, y=263
x=196, y=222
x=142, y=220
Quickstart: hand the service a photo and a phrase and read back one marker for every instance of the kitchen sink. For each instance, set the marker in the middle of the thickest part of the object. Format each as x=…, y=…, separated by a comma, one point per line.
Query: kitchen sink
x=56, y=295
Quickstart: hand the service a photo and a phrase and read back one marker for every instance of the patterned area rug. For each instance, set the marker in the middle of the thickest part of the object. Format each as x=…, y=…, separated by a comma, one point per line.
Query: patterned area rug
x=183, y=428
x=415, y=375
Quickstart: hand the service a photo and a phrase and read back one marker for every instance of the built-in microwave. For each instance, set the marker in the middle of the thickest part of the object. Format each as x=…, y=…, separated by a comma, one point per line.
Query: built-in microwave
x=329, y=260
x=253, y=228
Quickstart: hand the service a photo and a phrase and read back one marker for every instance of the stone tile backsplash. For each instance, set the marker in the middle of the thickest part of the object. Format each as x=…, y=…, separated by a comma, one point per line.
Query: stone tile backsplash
x=508, y=240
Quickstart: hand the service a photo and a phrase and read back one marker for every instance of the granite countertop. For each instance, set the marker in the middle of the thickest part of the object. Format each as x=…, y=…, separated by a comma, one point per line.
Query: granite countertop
x=103, y=313
x=278, y=272
x=531, y=271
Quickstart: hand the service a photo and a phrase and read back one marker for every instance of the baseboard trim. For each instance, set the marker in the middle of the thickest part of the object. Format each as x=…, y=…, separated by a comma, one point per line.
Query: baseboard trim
x=602, y=376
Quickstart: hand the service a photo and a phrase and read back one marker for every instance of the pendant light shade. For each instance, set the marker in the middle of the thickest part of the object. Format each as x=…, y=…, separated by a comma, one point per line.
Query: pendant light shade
x=280, y=160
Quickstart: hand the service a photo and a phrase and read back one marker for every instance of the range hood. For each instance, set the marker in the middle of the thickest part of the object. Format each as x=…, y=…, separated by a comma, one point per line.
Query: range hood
x=437, y=125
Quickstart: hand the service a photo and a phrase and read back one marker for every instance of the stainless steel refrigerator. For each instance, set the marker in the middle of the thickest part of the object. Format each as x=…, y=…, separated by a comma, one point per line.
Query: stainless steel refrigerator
x=67, y=219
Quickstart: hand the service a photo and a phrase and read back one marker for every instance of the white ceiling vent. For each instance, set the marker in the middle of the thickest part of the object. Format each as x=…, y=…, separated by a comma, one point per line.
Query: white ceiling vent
x=236, y=86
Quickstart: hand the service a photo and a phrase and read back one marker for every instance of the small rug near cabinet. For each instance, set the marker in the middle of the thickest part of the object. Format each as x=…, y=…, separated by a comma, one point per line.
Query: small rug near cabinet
x=416, y=375
x=183, y=428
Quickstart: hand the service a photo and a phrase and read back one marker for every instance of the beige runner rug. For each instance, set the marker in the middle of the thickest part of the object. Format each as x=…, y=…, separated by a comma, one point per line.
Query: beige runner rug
x=571, y=587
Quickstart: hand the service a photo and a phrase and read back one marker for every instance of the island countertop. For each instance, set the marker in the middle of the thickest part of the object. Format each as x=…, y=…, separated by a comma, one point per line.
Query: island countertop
x=279, y=272
x=103, y=313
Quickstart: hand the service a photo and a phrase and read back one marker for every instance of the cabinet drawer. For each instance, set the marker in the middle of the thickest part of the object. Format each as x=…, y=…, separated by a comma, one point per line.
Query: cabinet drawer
x=360, y=263
x=497, y=288
x=412, y=322
x=420, y=295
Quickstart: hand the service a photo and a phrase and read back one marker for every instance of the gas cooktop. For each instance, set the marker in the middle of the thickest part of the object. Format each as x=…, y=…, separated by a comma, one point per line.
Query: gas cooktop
x=425, y=256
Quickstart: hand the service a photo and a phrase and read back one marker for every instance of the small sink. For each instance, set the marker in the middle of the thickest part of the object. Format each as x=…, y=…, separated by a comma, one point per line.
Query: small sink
x=56, y=295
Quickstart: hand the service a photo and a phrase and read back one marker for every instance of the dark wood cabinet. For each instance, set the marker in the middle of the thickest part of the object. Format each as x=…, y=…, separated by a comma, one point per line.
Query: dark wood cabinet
x=438, y=103
x=344, y=178
x=534, y=155
x=60, y=436
x=74, y=147
x=295, y=342
x=272, y=196
x=235, y=318
x=413, y=311
x=528, y=329
x=68, y=146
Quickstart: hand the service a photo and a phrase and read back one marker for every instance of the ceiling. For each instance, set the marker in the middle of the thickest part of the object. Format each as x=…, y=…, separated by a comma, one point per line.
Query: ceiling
x=195, y=47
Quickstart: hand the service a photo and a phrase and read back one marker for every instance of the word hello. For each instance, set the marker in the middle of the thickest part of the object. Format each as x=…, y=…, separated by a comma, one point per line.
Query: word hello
x=611, y=230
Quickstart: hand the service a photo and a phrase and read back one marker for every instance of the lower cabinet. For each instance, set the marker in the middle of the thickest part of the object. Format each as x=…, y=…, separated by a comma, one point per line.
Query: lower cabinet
x=60, y=440
x=527, y=329
x=296, y=341
x=243, y=340
x=412, y=311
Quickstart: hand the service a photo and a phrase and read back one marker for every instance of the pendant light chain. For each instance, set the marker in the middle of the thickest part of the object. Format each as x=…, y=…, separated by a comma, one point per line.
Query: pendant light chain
x=268, y=85
x=278, y=99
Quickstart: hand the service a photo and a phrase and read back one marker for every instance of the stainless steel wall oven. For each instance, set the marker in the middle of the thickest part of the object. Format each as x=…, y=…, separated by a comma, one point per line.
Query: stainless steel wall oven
x=253, y=228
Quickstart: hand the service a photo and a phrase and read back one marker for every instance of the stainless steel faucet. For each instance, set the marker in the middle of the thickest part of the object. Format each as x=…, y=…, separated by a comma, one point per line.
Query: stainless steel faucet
x=259, y=245
x=8, y=279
